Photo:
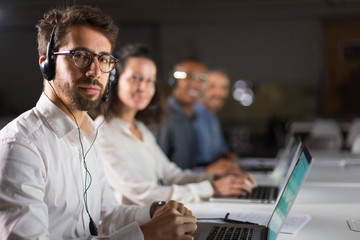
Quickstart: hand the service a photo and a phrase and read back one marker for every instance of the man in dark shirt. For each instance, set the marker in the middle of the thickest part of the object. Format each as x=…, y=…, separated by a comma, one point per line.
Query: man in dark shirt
x=177, y=137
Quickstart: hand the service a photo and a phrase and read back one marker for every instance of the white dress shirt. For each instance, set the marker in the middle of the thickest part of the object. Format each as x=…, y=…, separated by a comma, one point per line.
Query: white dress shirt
x=42, y=181
x=138, y=170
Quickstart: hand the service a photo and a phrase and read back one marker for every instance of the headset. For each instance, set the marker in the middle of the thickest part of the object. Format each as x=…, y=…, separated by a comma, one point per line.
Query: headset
x=171, y=79
x=113, y=78
x=47, y=67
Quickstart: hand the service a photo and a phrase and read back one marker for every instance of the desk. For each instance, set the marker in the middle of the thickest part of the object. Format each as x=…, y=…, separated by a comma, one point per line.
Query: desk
x=328, y=222
x=330, y=195
x=327, y=169
x=330, y=208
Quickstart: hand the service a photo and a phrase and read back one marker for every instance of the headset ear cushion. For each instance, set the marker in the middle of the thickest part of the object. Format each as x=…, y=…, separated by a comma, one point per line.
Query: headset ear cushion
x=47, y=68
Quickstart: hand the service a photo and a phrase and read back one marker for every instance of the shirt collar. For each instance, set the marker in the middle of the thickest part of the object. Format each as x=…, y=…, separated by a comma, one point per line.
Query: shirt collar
x=125, y=126
x=120, y=123
x=175, y=106
x=61, y=123
x=201, y=109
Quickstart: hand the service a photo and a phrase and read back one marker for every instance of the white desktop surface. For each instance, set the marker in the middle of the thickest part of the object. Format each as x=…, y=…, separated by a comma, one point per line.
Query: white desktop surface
x=326, y=169
x=330, y=195
x=332, y=175
x=328, y=222
x=328, y=219
x=329, y=156
x=312, y=194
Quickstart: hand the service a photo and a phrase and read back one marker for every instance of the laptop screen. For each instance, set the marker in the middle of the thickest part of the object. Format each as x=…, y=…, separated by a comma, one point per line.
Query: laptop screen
x=285, y=162
x=288, y=194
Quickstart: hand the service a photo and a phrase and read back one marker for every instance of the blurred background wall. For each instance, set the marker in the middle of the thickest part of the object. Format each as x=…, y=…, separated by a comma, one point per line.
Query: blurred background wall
x=301, y=58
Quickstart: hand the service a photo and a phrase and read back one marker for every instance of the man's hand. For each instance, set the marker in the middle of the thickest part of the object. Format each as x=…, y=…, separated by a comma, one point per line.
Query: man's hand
x=173, y=204
x=171, y=221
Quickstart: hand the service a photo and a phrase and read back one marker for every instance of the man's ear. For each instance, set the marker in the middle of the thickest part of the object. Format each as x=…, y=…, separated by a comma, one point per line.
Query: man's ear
x=41, y=59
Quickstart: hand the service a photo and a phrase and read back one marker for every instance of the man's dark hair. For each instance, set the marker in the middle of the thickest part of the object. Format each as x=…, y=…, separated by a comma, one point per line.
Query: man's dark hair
x=65, y=18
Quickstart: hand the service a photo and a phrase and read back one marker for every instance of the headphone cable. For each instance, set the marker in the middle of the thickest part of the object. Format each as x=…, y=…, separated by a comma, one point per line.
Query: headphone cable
x=92, y=225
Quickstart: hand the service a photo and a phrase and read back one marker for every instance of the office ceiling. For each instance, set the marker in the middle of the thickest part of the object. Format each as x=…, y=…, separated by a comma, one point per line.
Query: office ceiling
x=27, y=12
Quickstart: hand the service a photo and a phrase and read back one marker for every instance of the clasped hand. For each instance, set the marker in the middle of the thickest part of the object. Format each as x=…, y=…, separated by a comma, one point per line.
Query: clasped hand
x=170, y=221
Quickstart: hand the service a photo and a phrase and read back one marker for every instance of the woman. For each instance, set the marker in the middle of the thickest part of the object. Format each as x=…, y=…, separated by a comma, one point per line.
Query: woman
x=135, y=166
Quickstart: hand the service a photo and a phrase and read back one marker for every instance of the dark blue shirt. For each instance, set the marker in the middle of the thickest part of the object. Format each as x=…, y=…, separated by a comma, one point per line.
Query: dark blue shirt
x=177, y=136
x=211, y=140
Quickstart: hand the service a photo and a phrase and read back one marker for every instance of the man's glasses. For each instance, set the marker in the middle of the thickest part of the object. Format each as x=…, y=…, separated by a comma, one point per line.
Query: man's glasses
x=201, y=77
x=83, y=58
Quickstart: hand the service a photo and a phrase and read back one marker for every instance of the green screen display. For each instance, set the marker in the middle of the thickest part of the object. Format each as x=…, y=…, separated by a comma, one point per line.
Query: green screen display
x=287, y=196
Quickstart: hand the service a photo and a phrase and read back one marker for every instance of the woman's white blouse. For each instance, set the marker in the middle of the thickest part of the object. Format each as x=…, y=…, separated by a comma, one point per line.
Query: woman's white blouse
x=138, y=170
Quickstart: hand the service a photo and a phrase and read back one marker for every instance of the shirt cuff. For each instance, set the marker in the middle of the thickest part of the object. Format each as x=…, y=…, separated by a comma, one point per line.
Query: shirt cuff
x=143, y=214
x=203, y=189
x=129, y=232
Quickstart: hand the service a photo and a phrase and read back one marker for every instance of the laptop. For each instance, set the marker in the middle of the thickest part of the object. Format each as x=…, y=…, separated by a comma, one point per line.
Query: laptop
x=238, y=231
x=273, y=182
x=286, y=161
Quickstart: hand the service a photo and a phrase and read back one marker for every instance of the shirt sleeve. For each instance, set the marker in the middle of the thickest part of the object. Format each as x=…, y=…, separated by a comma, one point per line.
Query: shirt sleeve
x=122, y=165
x=129, y=232
x=23, y=213
x=116, y=216
x=187, y=185
x=125, y=232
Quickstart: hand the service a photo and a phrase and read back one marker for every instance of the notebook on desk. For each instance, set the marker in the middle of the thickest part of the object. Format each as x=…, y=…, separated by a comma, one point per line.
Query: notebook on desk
x=275, y=180
x=238, y=231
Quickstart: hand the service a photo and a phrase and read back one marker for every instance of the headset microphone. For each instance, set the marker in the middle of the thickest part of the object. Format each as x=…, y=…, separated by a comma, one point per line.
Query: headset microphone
x=112, y=79
x=105, y=97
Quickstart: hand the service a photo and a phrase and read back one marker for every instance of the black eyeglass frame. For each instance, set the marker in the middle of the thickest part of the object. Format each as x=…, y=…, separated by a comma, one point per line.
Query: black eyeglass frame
x=72, y=52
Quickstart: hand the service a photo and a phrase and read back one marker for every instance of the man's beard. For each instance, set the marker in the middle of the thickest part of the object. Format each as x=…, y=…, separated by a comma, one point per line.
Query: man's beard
x=84, y=104
x=78, y=101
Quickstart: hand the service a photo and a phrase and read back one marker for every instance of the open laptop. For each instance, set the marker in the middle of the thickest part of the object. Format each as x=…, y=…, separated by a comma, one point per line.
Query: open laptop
x=270, y=184
x=237, y=231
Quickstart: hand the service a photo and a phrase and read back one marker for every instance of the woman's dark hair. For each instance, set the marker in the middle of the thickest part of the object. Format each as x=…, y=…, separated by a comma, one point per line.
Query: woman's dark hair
x=153, y=114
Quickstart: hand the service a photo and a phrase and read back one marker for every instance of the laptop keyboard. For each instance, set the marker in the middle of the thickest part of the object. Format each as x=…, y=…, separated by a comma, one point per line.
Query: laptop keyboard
x=230, y=233
x=266, y=193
